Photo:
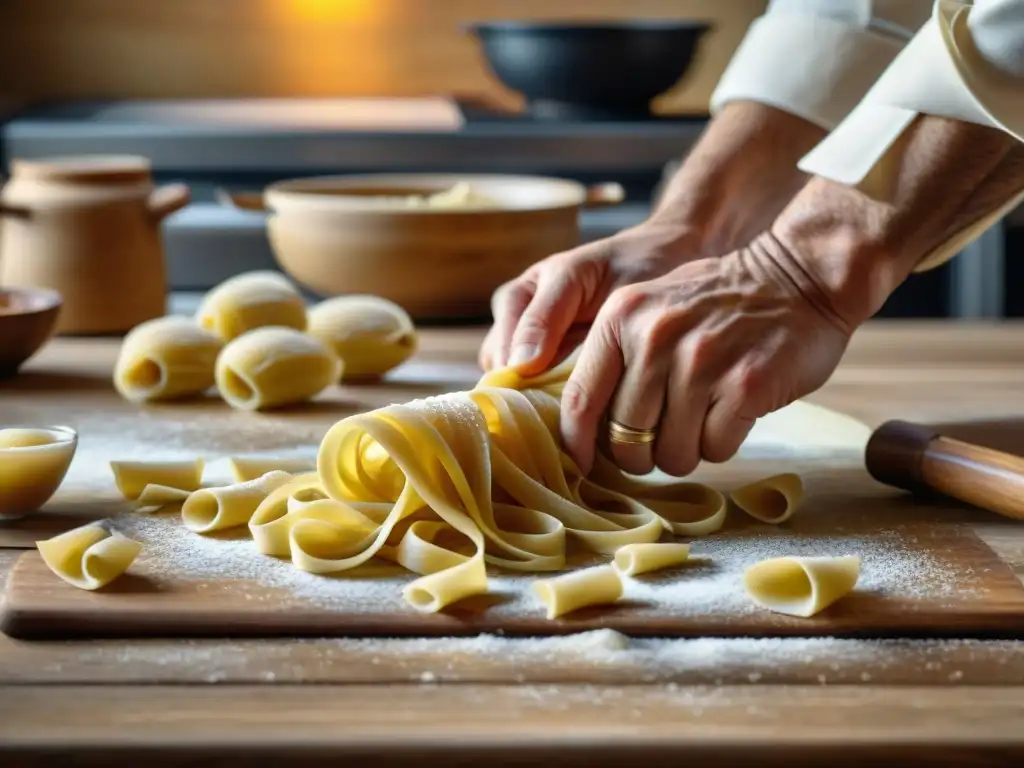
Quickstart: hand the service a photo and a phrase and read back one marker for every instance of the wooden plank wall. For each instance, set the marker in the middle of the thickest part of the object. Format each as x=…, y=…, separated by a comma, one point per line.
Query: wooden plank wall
x=60, y=49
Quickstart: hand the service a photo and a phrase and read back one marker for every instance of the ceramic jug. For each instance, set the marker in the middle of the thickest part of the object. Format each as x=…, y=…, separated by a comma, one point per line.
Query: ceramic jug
x=89, y=228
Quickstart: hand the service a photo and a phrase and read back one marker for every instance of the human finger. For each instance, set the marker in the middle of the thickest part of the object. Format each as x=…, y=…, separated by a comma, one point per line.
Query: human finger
x=507, y=306
x=542, y=326
x=588, y=392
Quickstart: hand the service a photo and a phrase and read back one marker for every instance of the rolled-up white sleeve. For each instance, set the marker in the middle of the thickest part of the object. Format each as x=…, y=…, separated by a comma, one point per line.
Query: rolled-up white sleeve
x=965, y=63
x=817, y=58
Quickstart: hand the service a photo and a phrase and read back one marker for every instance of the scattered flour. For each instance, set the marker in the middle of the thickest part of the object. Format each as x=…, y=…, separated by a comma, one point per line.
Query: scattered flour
x=711, y=585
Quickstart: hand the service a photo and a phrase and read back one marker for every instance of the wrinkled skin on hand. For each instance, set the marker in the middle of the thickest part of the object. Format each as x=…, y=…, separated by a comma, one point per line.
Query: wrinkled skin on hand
x=700, y=353
x=542, y=315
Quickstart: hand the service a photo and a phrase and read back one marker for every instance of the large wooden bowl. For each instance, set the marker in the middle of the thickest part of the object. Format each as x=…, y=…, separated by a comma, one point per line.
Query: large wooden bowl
x=332, y=237
x=28, y=318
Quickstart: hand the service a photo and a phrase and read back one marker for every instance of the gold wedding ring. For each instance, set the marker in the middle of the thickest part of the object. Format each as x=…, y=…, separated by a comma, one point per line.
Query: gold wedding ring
x=623, y=435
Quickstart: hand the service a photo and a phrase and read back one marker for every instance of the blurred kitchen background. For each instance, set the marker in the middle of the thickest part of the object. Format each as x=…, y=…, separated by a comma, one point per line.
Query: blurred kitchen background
x=234, y=94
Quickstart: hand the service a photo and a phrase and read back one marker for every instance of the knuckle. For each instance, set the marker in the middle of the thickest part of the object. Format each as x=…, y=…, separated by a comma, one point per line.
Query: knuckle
x=576, y=401
x=749, y=381
x=510, y=296
x=625, y=301
x=675, y=462
x=699, y=351
x=716, y=450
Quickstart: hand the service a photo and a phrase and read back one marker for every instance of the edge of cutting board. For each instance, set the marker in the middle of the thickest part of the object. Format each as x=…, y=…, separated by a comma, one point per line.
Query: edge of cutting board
x=38, y=605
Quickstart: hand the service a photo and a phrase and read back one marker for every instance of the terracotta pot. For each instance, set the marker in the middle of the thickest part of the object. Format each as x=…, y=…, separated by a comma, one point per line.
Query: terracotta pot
x=89, y=228
x=328, y=235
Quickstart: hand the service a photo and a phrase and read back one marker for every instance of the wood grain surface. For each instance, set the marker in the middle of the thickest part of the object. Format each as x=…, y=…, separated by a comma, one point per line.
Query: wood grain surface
x=789, y=702
x=522, y=725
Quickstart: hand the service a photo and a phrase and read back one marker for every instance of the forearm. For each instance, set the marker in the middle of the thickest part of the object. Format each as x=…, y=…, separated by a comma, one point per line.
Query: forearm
x=854, y=246
x=739, y=176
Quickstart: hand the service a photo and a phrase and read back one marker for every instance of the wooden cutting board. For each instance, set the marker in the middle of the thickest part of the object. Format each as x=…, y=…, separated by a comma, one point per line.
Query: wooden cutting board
x=928, y=569
x=926, y=573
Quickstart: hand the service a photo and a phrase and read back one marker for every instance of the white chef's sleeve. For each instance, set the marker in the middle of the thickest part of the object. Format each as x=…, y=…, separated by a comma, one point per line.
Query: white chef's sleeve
x=965, y=63
x=817, y=58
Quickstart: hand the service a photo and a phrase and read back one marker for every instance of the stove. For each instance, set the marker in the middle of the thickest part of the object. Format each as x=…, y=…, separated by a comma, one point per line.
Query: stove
x=247, y=144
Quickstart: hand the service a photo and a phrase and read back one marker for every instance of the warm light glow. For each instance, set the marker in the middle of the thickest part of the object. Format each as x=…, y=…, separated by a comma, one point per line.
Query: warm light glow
x=331, y=10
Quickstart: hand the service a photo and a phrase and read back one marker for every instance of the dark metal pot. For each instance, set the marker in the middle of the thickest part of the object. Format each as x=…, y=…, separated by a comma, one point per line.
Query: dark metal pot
x=599, y=70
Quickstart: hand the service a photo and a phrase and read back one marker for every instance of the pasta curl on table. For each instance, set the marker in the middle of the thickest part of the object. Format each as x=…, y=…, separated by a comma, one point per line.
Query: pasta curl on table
x=450, y=484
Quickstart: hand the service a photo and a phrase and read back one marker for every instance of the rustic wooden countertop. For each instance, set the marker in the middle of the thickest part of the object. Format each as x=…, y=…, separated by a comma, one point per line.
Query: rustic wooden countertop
x=764, y=702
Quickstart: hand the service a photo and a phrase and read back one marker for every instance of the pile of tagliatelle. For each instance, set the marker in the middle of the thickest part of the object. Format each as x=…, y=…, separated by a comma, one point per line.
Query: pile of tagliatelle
x=448, y=484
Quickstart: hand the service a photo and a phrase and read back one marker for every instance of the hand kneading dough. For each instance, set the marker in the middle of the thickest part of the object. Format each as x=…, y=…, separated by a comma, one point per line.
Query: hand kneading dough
x=132, y=477
x=801, y=586
x=89, y=557
x=249, y=468
x=579, y=589
x=634, y=559
x=371, y=335
x=165, y=358
x=252, y=300
x=33, y=462
x=270, y=367
x=771, y=500
x=214, y=509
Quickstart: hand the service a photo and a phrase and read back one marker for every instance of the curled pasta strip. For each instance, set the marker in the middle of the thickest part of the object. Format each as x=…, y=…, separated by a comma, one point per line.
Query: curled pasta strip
x=634, y=559
x=229, y=506
x=771, y=500
x=579, y=589
x=89, y=557
x=801, y=586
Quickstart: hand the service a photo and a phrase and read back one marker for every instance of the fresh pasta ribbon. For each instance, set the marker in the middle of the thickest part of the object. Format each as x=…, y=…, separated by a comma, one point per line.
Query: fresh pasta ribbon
x=244, y=468
x=132, y=477
x=89, y=557
x=634, y=559
x=771, y=500
x=801, y=586
x=216, y=509
x=571, y=591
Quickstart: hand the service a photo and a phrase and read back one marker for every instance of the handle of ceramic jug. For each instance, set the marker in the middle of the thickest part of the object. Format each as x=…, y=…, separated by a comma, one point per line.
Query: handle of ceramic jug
x=166, y=200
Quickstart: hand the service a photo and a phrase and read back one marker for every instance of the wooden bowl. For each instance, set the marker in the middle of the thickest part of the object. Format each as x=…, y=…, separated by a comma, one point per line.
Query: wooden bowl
x=28, y=318
x=334, y=236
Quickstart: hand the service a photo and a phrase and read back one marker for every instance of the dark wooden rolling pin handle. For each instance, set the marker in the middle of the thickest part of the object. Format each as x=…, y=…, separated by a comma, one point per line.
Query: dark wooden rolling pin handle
x=918, y=459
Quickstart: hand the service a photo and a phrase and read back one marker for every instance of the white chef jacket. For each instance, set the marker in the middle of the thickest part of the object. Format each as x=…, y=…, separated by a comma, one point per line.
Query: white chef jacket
x=864, y=69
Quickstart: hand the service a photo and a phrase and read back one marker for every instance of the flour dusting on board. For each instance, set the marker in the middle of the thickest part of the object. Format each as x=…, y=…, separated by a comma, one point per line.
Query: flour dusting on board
x=710, y=585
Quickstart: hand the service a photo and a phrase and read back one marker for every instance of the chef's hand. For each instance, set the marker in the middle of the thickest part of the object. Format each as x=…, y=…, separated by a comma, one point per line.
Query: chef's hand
x=732, y=185
x=542, y=315
x=697, y=355
x=700, y=353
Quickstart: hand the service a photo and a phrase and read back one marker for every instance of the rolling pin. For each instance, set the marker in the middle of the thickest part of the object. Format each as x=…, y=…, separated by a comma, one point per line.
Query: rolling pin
x=919, y=459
